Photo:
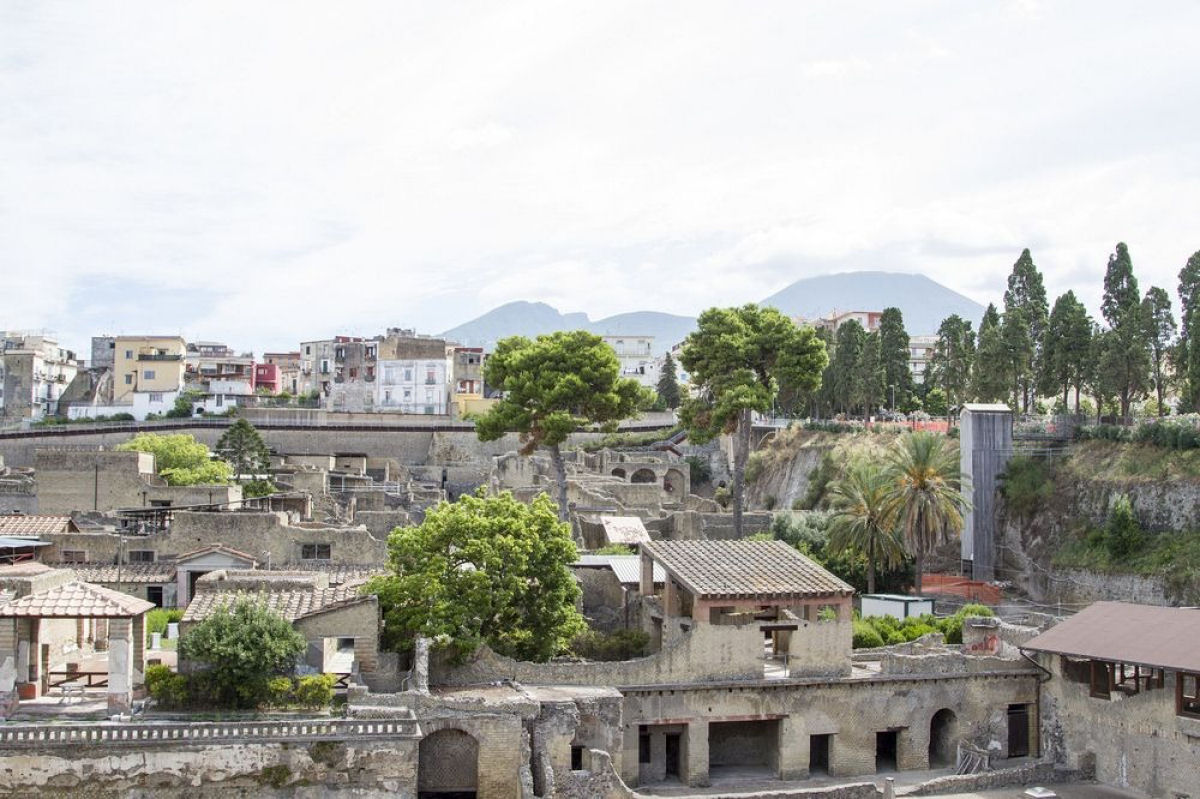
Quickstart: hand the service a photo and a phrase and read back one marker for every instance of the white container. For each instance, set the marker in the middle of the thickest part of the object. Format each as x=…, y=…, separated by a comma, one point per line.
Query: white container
x=172, y=630
x=156, y=640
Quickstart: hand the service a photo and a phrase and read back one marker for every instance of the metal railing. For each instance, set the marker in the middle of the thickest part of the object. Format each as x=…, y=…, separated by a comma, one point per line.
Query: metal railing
x=214, y=733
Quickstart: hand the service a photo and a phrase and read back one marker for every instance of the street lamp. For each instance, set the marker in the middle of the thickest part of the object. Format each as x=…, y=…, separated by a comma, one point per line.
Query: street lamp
x=893, y=397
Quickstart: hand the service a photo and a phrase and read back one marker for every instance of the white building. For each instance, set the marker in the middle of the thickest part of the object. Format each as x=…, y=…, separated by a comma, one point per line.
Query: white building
x=34, y=372
x=417, y=385
x=636, y=354
x=920, y=350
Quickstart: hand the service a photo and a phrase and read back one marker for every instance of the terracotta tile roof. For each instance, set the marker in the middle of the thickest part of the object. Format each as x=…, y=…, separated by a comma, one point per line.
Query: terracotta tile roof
x=338, y=573
x=34, y=525
x=1120, y=632
x=26, y=569
x=744, y=569
x=76, y=600
x=195, y=553
x=159, y=572
x=291, y=605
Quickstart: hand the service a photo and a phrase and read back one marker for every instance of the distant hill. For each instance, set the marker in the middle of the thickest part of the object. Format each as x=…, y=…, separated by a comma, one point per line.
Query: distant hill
x=924, y=302
x=534, y=318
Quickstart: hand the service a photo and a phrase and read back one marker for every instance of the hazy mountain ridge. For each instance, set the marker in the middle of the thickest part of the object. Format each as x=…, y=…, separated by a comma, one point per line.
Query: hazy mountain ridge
x=924, y=303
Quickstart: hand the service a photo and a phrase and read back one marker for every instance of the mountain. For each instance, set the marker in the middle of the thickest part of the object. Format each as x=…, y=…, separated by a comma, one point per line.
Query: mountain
x=534, y=318
x=924, y=302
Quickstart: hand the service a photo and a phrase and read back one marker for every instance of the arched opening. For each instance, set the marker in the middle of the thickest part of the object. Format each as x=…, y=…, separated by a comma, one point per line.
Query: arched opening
x=943, y=739
x=447, y=766
x=673, y=482
x=618, y=473
x=643, y=476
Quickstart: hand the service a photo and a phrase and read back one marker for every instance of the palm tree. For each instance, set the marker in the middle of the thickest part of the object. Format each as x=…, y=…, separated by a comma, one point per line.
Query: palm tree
x=863, y=519
x=924, y=493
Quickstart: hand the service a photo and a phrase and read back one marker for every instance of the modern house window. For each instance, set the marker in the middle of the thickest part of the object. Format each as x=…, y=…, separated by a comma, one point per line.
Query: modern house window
x=129, y=379
x=74, y=556
x=141, y=556
x=154, y=595
x=156, y=396
x=315, y=551
x=324, y=366
x=430, y=376
x=148, y=374
x=129, y=355
x=408, y=375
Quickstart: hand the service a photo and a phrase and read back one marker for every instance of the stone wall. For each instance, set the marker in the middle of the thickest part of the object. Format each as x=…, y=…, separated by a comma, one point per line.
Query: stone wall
x=708, y=652
x=820, y=648
x=359, y=621
x=1135, y=742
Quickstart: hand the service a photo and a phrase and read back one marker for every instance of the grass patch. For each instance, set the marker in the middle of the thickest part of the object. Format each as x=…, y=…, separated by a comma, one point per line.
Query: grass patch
x=1174, y=556
x=1131, y=462
x=619, y=440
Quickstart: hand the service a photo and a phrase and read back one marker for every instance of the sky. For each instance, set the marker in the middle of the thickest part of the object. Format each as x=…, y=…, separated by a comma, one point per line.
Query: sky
x=265, y=173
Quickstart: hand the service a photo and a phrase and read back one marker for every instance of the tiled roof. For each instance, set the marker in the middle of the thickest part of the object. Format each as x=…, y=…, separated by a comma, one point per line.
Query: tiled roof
x=195, y=553
x=159, y=572
x=76, y=600
x=291, y=605
x=338, y=573
x=624, y=529
x=1120, y=632
x=628, y=568
x=744, y=569
x=33, y=525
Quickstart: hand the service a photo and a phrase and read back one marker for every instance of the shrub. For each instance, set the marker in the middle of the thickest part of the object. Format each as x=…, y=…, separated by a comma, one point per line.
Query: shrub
x=699, y=470
x=818, y=481
x=315, y=690
x=258, y=488
x=1124, y=536
x=157, y=619
x=915, y=631
x=866, y=636
x=722, y=496
x=619, y=645
x=168, y=689
x=1026, y=485
x=754, y=467
x=769, y=502
x=615, y=549
x=279, y=691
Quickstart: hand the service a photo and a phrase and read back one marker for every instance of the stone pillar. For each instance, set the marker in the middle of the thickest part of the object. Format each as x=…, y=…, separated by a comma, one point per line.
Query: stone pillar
x=10, y=672
x=657, y=767
x=912, y=749
x=646, y=585
x=629, y=766
x=696, y=746
x=139, y=649
x=120, y=665
x=793, y=749
x=669, y=599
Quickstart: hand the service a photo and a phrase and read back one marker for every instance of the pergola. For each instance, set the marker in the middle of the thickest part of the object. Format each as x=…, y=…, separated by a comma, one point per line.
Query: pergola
x=27, y=628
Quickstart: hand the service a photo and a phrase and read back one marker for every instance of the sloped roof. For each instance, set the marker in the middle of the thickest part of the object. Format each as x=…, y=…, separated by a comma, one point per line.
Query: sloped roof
x=35, y=525
x=290, y=604
x=76, y=600
x=628, y=568
x=211, y=548
x=624, y=530
x=744, y=569
x=8, y=542
x=338, y=573
x=1121, y=632
x=158, y=572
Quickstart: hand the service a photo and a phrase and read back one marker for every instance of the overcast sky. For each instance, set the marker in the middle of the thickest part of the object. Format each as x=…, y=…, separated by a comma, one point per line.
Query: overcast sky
x=262, y=173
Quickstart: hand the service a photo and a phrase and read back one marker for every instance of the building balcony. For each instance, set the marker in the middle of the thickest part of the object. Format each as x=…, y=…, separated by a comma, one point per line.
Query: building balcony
x=158, y=356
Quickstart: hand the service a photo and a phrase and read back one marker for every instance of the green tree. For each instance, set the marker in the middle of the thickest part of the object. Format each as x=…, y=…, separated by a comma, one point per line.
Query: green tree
x=483, y=570
x=1066, y=350
x=242, y=645
x=924, y=497
x=935, y=402
x=1160, y=331
x=950, y=365
x=1097, y=379
x=1187, y=356
x=869, y=376
x=989, y=383
x=668, y=384
x=1017, y=344
x=180, y=459
x=1124, y=536
x=894, y=353
x=1125, y=364
x=552, y=386
x=863, y=518
x=243, y=448
x=737, y=359
x=849, y=341
x=1027, y=293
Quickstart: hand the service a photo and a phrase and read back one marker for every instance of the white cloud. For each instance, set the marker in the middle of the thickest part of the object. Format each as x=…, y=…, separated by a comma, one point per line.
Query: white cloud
x=350, y=168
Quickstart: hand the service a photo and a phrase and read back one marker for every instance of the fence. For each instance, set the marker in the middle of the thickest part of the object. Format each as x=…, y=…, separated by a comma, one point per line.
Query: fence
x=212, y=733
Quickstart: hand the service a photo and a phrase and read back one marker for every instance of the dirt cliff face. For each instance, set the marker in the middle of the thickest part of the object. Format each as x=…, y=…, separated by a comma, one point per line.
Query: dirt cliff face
x=1162, y=486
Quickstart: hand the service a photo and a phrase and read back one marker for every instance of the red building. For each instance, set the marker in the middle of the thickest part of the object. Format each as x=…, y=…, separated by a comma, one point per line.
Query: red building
x=266, y=376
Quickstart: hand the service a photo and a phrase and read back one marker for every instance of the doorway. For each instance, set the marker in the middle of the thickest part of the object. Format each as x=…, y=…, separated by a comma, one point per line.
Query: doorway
x=672, y=754
x=885, y=750
x=943, y=729
x=818, y=754
x=1018, y=730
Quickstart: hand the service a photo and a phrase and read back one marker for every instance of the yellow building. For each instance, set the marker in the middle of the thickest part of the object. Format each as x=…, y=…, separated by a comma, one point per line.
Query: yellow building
x=147, y=363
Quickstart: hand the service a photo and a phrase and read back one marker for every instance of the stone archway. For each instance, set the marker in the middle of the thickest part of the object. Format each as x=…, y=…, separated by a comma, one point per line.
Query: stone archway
x=447, y=765
x=644, y=476
x=618, y=473
x=943, y=739
x=673, y=482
